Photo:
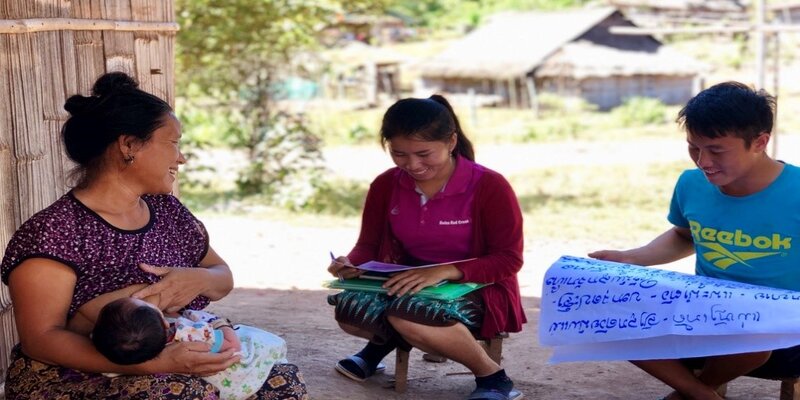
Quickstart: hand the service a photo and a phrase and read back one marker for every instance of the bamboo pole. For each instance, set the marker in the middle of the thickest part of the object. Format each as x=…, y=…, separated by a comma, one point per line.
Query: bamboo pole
x=118, y=46
x=9, y=198
x=75, y=24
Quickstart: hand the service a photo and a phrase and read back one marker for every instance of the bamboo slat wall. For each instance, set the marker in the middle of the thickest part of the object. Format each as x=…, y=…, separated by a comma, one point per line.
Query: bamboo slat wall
x=49, y=50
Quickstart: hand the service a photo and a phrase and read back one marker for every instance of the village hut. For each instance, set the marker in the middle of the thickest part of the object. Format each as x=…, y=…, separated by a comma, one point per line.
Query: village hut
x=680, y=12
x=50, y=50
x=364, y=72
x=787, y=13
x=370, y=29
x=515, y=56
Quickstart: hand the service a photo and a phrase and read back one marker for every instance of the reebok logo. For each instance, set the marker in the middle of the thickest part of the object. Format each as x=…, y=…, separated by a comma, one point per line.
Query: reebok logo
x=718, y=243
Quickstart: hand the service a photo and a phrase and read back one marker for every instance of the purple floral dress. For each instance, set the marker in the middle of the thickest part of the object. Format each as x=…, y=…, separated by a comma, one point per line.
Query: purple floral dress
x=105, y=259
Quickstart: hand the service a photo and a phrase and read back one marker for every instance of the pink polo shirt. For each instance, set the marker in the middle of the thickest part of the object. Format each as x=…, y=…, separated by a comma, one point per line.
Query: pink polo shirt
x=439, y=229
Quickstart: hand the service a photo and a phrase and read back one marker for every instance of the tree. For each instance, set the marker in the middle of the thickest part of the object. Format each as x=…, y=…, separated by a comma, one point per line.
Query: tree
x=230, y=54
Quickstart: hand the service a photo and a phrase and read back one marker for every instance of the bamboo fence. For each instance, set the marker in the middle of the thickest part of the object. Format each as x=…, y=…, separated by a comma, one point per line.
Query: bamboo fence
x=49, y=50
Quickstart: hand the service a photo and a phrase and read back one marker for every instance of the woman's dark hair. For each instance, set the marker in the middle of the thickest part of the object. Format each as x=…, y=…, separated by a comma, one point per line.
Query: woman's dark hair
x=129, y=334
x=430, y=119
x=729, y=109
x=116, y=107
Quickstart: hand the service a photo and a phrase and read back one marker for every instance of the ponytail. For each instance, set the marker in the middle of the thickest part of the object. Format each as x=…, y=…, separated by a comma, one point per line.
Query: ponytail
x=431, y=119
x=463, y=145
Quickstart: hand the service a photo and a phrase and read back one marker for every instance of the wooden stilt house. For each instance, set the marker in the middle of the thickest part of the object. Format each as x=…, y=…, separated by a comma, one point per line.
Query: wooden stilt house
x=50, y=50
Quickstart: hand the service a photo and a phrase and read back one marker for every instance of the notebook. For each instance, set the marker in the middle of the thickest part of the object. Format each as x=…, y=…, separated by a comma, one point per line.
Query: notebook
x=445, y=291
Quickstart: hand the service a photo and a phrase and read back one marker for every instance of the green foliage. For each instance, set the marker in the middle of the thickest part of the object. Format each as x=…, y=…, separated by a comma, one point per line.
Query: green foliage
x=203, y=125
x=279, y=151
x=232, y=54
x=639, y=111
x=567, y=127
x=439, y=14
x=329, y=196
x=551, y=104
x=609, y=202
x=338, y=127
x=359, y=134
x=192, y=170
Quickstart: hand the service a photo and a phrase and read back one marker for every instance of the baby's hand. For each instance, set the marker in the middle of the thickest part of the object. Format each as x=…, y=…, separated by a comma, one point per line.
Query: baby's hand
x=229, y=340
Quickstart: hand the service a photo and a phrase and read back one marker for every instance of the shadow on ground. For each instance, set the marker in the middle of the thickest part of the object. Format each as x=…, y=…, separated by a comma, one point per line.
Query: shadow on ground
x=304, y=319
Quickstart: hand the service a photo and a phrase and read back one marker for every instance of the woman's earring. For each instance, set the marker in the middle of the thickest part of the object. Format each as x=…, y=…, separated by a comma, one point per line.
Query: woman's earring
x=128, y=159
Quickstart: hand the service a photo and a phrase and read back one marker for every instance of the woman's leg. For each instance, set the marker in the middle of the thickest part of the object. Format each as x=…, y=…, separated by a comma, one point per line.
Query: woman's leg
x=356, y=331
x=285, y=381
x=362, y=314
x=454, y=342
x=30, y=379
x=170, y=387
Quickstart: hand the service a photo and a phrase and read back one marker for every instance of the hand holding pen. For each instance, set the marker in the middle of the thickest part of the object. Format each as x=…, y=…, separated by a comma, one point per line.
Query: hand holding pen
x=342, y=268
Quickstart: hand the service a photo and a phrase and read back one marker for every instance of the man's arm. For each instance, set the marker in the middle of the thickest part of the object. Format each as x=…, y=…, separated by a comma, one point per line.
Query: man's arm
x=672, y=245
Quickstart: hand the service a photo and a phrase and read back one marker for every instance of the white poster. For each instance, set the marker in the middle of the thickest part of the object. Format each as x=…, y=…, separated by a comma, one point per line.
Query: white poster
x=596, y=310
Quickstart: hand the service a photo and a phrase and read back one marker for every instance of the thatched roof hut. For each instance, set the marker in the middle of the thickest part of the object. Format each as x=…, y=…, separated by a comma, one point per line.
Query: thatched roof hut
x=368, y=72
x=515, y=55
x=787, y=13
x=49, y=50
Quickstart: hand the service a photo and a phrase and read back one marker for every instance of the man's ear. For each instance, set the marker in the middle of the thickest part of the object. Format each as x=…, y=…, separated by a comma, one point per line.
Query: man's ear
x=760, y=143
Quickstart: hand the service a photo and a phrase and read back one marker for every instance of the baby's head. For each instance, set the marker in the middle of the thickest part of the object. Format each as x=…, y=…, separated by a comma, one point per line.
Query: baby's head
x=130, y=331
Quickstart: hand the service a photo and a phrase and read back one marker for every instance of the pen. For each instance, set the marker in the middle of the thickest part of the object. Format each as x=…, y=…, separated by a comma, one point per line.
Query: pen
x=339, y=274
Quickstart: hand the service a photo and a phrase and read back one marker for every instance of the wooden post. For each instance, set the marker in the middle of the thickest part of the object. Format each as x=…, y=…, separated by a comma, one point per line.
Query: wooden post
x=776, y=89
x=473, y=107
x=371, y=83
x=532, y=95
x=761, y=44
x=513, y=100
x=758, y=26
x=401, y=371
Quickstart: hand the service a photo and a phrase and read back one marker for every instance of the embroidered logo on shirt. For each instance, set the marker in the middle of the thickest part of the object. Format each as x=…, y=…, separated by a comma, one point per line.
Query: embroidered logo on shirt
x=395, y=211
x=717, y=243
x=454, y=222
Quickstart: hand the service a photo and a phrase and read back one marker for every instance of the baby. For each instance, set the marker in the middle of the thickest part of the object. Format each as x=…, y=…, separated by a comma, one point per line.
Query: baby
x=131, y=331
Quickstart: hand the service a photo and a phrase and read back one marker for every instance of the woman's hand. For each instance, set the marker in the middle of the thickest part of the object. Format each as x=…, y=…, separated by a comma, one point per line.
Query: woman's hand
x=342, y=268
x=192, y=358
x=177, y=287
x=414, y=280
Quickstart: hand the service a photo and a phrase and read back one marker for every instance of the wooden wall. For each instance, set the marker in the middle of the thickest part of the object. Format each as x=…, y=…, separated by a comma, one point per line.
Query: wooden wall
x=49, y=50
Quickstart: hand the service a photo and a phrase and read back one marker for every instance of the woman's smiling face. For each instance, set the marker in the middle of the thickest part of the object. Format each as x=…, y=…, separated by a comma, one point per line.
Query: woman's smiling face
x=423, y=160
x=157, y=161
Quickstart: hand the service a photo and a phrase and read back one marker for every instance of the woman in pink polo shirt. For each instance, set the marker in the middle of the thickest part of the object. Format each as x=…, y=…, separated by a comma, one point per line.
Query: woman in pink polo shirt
x=436, y=205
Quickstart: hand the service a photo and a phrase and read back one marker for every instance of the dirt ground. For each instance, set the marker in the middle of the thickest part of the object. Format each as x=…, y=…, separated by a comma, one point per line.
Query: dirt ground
x=315, y=343
x=279, y=268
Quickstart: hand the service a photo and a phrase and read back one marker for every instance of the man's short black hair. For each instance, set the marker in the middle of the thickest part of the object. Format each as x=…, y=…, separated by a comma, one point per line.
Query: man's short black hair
x=729, y=109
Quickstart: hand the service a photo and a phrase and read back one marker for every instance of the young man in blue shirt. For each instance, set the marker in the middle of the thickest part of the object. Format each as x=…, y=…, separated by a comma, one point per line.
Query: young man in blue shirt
x=738, y=212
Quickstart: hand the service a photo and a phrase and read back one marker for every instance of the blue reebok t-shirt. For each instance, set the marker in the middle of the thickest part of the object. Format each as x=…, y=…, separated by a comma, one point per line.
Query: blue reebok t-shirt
x=752, y=239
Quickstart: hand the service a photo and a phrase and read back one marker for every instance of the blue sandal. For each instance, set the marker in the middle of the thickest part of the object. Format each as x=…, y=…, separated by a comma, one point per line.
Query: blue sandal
x=355, y=368
x=494, y=394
